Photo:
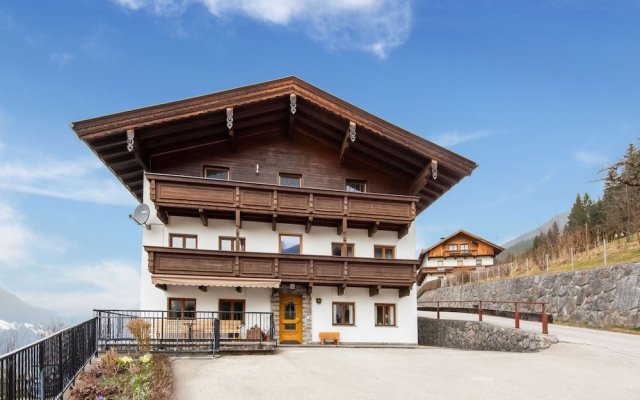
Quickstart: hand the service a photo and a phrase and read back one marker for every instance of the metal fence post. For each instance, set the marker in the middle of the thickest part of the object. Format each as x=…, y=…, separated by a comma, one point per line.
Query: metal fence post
x=41, y=372
x=545, y=327
x=517, y=316
x=438, y=309
x=11, y=379
x=480, y=311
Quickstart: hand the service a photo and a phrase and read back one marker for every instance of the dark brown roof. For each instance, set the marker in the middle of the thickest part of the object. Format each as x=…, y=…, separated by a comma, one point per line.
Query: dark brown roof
x=200, y=120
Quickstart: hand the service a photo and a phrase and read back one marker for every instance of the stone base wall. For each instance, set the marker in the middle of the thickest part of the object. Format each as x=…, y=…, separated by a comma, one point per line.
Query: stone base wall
x=306, y=311
x=598, y=297
x=475, y=335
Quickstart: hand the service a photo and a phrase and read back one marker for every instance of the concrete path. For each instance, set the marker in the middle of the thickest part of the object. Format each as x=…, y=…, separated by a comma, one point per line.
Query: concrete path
x=575, y=368
x=622, y=343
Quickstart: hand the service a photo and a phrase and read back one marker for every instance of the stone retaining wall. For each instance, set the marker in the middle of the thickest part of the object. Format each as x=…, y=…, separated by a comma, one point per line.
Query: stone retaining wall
x=475, y=335
x=598, y=297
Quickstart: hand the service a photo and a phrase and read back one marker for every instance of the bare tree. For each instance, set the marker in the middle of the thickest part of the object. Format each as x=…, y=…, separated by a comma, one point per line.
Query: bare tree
x=11, y=341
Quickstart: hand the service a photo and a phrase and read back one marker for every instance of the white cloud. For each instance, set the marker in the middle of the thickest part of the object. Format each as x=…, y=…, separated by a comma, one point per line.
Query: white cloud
x=591, y=158
x=75, y=179
x=375, y=26
x=15, y=237
x=61, y=59
x=102, y=285
x=454, y=138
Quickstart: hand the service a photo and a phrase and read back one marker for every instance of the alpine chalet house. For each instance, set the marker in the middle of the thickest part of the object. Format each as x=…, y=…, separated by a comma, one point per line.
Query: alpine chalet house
x=460, y=252
x=278, y=198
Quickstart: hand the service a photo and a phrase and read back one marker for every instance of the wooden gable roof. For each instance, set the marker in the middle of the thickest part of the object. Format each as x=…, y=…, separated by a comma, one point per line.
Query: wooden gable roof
x=497, y=249
x=126, y=141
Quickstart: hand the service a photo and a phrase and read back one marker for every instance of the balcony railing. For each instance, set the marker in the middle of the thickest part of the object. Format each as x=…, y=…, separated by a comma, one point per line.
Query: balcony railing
x=210, y=198
x=194, y=331
x=290, y=268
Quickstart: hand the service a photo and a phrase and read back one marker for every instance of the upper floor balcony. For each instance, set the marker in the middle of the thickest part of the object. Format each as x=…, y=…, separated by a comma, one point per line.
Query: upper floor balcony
x=211, y=198
x=191, y=264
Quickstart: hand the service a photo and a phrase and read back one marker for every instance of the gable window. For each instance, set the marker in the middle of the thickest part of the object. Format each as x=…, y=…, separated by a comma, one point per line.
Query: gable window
x=336, y=249
x=452, y=247
x=355, y=185
x=460, y=262
x=293, y=180
x=464, y=247
x=216, y=173
x=385, y=314
x=388, y=252
x=440, y=263
x=290, y=244
x=182, y=308
x=479, y=262
x=228, y=243
x=183, y=241
x=343, y=313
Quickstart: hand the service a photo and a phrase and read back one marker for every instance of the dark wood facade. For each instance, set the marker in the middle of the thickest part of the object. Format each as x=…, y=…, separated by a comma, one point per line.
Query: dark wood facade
x=136, y=141
x=290, y=268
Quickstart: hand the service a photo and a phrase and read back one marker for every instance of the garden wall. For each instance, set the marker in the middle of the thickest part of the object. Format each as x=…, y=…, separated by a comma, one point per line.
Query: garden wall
x=608, y=296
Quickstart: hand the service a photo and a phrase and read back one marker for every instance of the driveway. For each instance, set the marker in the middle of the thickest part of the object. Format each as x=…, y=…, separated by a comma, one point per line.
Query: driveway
x=565, y=371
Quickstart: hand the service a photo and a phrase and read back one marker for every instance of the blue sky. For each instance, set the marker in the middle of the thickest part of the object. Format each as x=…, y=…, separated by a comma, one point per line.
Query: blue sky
x=541, y=94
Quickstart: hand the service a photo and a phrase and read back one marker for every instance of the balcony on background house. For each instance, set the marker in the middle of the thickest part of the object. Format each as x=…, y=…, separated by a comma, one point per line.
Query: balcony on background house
x=245, y=201
x=460, y=253
x=213, y=267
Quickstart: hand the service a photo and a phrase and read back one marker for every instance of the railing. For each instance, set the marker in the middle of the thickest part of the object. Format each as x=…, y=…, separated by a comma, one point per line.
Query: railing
x=193, y=332
x=517, y=309
x=292, y=268
x=174, y=192
x=44, y=369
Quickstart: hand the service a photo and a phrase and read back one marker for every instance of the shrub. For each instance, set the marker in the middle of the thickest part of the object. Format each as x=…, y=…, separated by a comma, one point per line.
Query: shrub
x=141, y=331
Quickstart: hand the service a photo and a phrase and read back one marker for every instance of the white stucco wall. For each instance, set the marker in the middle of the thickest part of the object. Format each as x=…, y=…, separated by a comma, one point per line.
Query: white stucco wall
x=260, y=238
x=453, y=261
x=365, y=329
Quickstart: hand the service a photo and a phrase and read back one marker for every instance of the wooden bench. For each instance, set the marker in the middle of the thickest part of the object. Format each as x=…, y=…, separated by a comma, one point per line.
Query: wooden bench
x=230, y=329
x=333, y=336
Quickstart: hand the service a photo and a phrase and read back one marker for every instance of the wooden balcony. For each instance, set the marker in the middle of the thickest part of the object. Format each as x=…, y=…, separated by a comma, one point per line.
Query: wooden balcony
x=289, y=268
x=209, y=198
x=460, y=253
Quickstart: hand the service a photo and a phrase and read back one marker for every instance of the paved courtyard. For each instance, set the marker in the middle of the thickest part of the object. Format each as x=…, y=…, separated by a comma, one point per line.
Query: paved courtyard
x=565, y=371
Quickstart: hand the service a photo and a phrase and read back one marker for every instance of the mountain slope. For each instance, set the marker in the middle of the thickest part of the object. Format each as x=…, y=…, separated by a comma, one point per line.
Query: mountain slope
x=15, y=310
x=525, y=241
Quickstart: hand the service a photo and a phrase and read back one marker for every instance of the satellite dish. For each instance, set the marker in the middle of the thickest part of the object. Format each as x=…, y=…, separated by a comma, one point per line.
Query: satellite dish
x=141, y=214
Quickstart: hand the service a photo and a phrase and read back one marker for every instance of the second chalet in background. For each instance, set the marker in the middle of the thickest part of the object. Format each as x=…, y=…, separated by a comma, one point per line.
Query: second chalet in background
x=277, y=198
x=459, y=252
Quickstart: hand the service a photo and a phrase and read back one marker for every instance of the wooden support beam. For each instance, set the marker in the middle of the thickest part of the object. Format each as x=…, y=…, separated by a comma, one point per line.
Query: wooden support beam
x=162, y=286
x=307, y=228
x=293, y=107
x=162, y=215
x=274, y=222
x=202, y=288
x=310, y=288
x=349, y=137
x=341, y=289
x=404, y=292
x=238, y=220
x=342, y=227
x=374, y=290
x=420, y=181
x=374, y=228
x=203, y=217
x=403, y=232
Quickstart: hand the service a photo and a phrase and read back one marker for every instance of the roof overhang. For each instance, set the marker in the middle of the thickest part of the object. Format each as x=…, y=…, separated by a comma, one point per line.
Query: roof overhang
x=189, y=280
x=127, y=141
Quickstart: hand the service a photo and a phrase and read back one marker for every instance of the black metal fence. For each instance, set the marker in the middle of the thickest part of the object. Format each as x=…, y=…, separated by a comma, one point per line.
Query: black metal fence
x=44, y=369
x=194, y=331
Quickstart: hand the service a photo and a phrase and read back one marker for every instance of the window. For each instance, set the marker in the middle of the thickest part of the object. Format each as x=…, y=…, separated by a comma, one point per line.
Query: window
x=336, y=249
x=479, y=262
x=183, y=241
x=460, y=261
x=464, y=247
x=452, y=247
x=440, y=263
x=228, y=243
x=182, y=308
x=343, y=313
x=290, y=244
x=216, y=173
x=354, y=185
x=385, y=315
x=388, y=252
x=293, y=180
x=231, y=310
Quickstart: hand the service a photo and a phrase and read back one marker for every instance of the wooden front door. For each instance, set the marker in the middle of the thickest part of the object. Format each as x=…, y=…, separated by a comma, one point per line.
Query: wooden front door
x=290, y=318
